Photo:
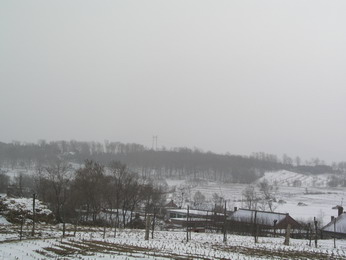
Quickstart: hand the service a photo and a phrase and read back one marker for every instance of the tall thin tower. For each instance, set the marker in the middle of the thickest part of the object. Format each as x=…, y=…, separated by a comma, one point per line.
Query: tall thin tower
x=154, y=144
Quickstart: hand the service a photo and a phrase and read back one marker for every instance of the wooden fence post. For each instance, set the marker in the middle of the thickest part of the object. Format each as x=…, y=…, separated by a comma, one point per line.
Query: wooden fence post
x=147, y=228
x=224, y=225
x=309, y=233
x=21, y=227
x=115, y=228
x=153, y=227
x=187, y=223
x=275, y=221
x=334, y=232
x=315, y=222
x=287, y=237
x=255, y=227
x=33, y=214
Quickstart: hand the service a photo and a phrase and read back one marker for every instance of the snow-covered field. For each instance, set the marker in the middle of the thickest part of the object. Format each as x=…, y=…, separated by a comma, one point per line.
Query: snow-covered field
x=130, y=244
x=313, y=193
x=287, y=178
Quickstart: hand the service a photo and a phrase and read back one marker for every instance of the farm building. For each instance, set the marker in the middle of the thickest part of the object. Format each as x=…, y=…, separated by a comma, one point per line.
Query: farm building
x=337, y=226
x=171, y=205
x=198, y=219
x=244, y=220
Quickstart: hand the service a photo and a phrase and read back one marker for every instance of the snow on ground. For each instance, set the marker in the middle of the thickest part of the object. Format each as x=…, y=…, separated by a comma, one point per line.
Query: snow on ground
x=15, y=172
x=3, y=221
x=288, y=178
x=318, y=198
x=174, y=182
x=130, y=244
x=25, y=205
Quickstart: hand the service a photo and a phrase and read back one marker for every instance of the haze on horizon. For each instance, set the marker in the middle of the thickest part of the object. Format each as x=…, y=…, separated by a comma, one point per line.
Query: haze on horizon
x=227, y=76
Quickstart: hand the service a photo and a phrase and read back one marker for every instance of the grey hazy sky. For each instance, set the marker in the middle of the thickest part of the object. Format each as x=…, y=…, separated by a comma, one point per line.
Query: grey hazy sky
x=238, y=76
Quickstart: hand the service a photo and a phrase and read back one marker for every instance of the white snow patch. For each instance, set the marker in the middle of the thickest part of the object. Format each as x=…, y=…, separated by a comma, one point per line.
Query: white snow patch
x=3, y=221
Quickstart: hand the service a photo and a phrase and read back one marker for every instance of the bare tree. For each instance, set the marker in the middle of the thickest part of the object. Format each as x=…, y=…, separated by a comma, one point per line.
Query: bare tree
x=268, y=192
x=89, y=186
x=24, y=184
x=218, y=202
x=298, y=161
x=286, y=159
x=198, y=198
x=116, y=186
x=4, y=181
x=53, y=185
x=251, y=197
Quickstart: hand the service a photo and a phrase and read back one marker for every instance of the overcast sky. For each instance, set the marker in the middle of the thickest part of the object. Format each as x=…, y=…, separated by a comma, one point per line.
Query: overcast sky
x=226, y=76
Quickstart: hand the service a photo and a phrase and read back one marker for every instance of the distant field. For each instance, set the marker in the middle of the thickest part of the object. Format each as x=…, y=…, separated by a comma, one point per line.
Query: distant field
x=313, y=192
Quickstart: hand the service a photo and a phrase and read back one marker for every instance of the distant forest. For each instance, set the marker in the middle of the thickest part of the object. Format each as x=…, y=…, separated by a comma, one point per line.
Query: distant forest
x=180, y=163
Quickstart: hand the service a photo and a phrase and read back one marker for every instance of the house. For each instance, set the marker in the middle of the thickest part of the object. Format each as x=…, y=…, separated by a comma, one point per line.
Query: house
x=337, y=226
x=244, y=220
x=171, y=205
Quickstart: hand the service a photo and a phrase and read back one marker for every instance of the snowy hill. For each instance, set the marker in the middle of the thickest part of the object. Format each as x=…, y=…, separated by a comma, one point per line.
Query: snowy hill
x=13, y=209
x=293, y=179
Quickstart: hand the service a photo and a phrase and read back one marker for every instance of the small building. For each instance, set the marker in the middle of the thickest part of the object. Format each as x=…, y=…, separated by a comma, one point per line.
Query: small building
x=198, y=219
x=171, y=205
x=244, y=221
x=337, y=226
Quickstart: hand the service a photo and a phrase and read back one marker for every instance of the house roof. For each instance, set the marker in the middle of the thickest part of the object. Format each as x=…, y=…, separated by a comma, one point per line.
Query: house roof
x=262, y=217
x=340, y=225
x=191, y=212
x=171, y=204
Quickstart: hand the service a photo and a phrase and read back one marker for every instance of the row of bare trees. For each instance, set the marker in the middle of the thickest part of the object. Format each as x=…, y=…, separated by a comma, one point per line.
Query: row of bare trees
x=96, y=192
x=183, y=163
